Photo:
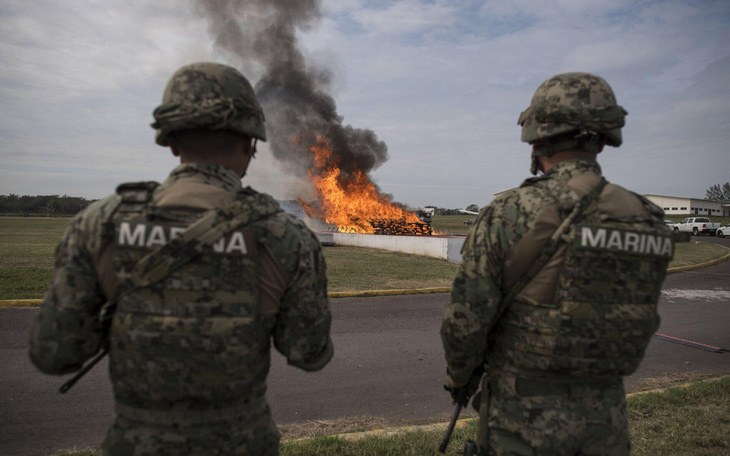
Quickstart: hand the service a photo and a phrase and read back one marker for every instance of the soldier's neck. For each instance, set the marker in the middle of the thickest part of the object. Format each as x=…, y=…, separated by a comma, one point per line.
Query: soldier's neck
x=546, y=163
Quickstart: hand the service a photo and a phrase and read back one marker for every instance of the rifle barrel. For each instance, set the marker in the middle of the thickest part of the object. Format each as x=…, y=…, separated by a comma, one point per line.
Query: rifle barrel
x=461, y=399
x=72, y=381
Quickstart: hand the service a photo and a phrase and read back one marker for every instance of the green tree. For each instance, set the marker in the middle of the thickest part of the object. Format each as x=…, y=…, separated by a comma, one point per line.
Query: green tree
x=719, y=193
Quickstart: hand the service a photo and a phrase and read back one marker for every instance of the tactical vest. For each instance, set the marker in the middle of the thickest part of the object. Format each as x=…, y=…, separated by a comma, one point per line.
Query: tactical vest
x=194, y=338
x=604, y=310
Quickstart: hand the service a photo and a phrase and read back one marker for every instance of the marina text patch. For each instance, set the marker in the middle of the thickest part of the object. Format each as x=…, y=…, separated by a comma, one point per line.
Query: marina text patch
x=606, y=238
x=150, y=235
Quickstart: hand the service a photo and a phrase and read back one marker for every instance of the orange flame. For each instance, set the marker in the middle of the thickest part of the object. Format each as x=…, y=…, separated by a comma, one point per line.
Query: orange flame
x=350, y=202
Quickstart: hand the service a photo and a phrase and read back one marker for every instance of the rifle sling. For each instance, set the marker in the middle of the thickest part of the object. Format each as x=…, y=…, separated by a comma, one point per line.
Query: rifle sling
x=553, y=244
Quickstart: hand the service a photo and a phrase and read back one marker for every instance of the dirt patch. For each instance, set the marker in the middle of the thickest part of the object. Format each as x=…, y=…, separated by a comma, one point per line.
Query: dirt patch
x=316, y=428
x=670, y=380
x=329, y=427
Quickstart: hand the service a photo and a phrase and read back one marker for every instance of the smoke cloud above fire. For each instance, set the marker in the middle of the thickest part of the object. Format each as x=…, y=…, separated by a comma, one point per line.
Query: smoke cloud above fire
x=293, y=92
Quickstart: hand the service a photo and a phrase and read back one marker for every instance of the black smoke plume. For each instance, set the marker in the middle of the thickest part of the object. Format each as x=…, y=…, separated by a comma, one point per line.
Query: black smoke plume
x=293, y=92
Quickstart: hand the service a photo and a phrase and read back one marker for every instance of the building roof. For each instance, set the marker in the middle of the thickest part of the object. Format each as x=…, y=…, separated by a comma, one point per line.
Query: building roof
x=686, y=197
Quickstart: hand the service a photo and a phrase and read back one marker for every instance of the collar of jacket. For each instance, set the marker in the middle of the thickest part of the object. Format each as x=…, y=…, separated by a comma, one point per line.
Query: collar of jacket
x=567, y=169
x=205, y=173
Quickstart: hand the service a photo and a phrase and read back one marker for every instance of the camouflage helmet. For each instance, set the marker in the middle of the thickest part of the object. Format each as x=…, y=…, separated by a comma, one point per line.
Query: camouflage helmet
x=208, y=95
x=580, y=102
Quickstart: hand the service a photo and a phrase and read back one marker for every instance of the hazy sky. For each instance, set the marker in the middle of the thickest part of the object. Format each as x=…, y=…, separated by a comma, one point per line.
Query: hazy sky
x=441, y=82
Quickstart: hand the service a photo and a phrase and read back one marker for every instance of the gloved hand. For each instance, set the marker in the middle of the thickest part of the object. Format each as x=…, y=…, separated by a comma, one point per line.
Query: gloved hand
x=462, y=394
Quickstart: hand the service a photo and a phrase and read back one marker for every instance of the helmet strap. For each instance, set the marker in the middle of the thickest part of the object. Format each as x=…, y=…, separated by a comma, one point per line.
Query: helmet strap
x=535, y=165
x=587, y=140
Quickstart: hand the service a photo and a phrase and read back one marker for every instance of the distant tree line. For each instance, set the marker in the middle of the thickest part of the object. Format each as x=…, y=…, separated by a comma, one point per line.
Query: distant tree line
x=45, y=205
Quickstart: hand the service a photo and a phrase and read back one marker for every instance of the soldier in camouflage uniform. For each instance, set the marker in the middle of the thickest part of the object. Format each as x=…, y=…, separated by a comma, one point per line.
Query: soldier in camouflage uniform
x=556, y=296
x=203, y=273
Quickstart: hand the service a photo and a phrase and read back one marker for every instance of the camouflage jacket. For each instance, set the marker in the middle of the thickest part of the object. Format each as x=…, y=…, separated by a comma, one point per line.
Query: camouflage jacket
x=501, y=247
x=66, y=331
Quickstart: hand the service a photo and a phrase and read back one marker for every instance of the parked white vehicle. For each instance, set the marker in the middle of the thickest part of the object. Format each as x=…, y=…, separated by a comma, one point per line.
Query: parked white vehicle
x=697, y=225
x=670, y=224
x=723, y=231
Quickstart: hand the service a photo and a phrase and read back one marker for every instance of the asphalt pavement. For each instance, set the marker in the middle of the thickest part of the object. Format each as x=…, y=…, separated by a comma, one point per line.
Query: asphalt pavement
x=388, y=363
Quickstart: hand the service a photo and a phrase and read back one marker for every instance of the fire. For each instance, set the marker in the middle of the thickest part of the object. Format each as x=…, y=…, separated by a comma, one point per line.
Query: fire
x=352, y=202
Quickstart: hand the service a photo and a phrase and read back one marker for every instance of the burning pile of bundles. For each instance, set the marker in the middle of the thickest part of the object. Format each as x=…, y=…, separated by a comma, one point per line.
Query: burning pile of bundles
x=350, y=200
x=400, y=227
x=397, y=227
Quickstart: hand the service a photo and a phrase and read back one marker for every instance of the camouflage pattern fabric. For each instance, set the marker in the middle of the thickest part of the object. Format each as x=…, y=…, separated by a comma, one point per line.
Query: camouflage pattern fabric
x=526, y=418
x=189, y=355
x=518, y=338
x=573, y=101
x=211, y=96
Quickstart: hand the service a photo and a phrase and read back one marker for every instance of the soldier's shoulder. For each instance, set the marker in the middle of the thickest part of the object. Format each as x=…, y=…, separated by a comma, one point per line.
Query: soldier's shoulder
x=519, y=202
x=98, y=211
x=509, y=216
x=106, y=206
x=283, y=230
x=627, y=199
x=86, y=227
x=626, y=193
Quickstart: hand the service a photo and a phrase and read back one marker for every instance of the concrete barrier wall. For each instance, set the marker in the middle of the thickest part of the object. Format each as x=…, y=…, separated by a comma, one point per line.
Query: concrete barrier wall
x=454, y=249
x=448, y=248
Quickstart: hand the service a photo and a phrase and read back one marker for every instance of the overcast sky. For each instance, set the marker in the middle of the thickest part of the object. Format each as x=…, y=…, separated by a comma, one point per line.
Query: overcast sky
x=441, y=82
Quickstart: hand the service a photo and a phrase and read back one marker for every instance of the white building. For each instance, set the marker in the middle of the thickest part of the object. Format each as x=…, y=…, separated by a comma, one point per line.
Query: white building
x=690, y=206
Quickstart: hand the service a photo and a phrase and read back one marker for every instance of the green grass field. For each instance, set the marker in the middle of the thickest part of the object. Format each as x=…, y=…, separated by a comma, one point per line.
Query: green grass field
x=26, y=254
x=27, y=246
x=358, y=268
x=451, y=224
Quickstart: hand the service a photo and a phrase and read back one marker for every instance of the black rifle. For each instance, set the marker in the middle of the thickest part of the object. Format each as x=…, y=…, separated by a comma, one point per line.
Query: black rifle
x=105, y=321
x=462, y=399
x=87, y=367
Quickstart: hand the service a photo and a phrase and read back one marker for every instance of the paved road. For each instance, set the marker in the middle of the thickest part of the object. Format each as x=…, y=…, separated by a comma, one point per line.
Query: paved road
x=388, y=363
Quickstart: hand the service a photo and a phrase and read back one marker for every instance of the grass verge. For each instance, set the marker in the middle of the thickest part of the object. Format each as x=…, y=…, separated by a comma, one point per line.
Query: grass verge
x=696, y=252
x=691, y=420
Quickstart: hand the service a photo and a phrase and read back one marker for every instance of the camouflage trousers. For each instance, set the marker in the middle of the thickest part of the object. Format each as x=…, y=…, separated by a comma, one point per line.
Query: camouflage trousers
x=520, y=417
x=234, y=431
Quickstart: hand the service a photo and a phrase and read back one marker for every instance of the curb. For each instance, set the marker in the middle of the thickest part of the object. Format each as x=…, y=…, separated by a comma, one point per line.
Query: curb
x=389, y=432
x=370, y=293
x=332, y=294
x=21, y=302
